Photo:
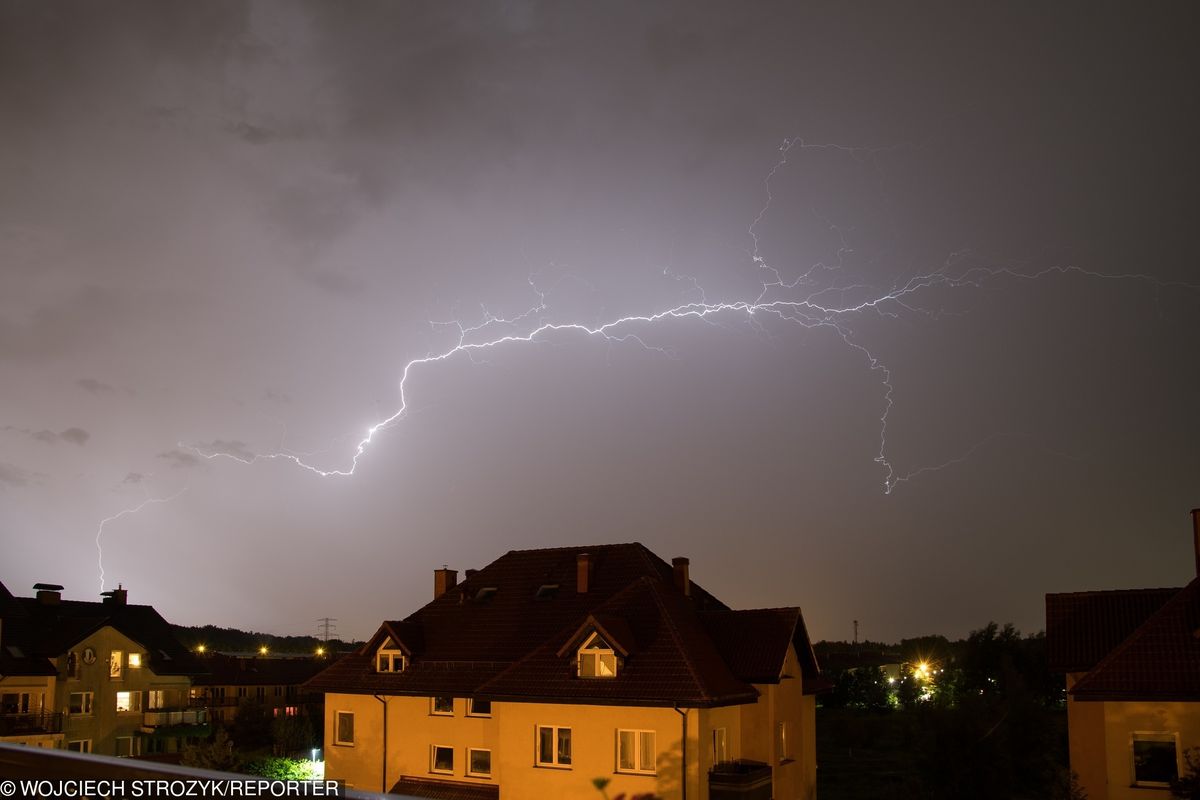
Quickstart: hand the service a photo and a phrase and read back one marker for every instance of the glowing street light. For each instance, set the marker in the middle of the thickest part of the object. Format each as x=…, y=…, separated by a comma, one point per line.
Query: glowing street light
x=200, y=648
x=262, y=651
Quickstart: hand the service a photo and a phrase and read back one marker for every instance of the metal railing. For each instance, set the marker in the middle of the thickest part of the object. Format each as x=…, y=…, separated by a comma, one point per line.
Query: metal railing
x=27, y=724
x=174, y=716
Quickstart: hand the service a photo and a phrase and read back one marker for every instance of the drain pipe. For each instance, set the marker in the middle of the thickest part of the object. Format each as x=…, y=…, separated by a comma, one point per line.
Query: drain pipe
x=383, y=778
x=682, y=752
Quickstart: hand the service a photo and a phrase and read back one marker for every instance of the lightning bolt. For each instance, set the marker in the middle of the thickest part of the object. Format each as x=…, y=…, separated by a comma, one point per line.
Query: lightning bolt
x=124, y=513
x=798, y=301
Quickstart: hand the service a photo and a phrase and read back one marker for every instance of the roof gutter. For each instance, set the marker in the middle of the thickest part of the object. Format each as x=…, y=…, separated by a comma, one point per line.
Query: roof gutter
x=383, y=767
x=683, y=726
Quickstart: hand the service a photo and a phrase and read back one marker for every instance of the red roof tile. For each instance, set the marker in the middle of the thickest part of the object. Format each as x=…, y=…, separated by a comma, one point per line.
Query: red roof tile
x=1083, y=627
x=445, y=790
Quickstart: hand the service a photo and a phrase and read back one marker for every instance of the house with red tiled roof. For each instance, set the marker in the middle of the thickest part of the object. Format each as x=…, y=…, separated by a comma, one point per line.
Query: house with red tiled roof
x=1132, y=663
x=550, y=670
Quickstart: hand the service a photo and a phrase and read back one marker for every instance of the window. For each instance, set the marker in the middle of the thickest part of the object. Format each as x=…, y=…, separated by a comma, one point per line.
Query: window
x=343, y=727
x=241, y=691
x=479, y=708
x=80, y=703
x=635, y=751
x=135, y=660
x=129, y=701
x=115, y=662
x=442, y=759
x=155, y=699
x=80, y=746
x=597, y=659
x=1155, y=759
x=479, y=762
x=782, y=741
x=553, y=746
x=390, y=661
x=15, y=703
x=127, y=746
x=442, y=706
x=73, y=665
x=720, y=746
x=279, y=691
x=260, y=693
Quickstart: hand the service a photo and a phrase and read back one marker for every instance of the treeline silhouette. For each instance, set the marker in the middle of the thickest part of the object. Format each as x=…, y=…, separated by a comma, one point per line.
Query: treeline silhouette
x=232, y=640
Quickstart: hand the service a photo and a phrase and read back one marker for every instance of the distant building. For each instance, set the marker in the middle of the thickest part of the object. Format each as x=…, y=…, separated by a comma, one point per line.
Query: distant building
x=118, y=681
x=549, y=669
x=27, y=709
x=1132, y=661
x=270, y=681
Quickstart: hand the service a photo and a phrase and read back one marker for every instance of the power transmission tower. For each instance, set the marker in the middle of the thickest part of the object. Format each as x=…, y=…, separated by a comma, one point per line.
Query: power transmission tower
x=325, y=626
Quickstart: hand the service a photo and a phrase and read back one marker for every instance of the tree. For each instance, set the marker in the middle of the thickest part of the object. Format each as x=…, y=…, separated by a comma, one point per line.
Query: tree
x=293, y=735
x=1188, y=786
x=216, y=754
x=251, y=729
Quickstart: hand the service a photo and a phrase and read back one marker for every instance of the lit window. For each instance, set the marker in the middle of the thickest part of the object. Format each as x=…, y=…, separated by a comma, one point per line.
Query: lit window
x=115, y=663
x=442, y=760
x=635, y=751
x=80, y=703
x=479, y=708
x=390, y=661
x=553, y=746
x=479, y=762
x=135, y=660
x=1155, y=759
x=442, y=706
x=344, y=728
x=597, y=659
x=129, y=701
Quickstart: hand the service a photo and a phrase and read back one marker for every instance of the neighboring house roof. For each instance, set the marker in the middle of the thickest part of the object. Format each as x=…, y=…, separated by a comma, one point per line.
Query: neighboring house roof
x=16, y=654
x=500, y=633
x=224, y=670
x=1160, y=660
x=445, y=790
x=755, y=642
x=1083, y=627
x=49, y=630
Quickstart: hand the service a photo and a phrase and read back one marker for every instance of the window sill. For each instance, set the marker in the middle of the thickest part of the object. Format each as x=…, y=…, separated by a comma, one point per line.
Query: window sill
x=553, y=766
x=343, y=744
x=643, y=773
x=441, y=772
x=784, y=761
x=480, y=775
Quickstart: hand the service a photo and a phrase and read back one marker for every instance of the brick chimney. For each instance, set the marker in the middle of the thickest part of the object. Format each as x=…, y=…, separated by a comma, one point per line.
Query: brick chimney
x=443, y=581
x=48, y=594
x=1196, y=537
x=116, y=597
x=682, y=581
x=583, y=572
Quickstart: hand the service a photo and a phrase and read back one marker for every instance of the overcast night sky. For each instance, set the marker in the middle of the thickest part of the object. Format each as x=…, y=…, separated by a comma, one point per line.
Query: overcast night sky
x=229, y=225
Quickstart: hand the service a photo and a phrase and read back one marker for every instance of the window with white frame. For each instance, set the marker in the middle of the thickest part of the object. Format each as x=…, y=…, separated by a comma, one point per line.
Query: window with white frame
x=80, y=745
x=635, y=751
x=129, y=701
x=720, y=746
x=441, y=706
x=390, y=658
x=479, y=708
x=156, y=699
x=479, y=762
x=343, y=728
x=1155, y=759
x=128, y=746
x=597, y=659
x=80, y=703
x=553, y=746
x=441, y=759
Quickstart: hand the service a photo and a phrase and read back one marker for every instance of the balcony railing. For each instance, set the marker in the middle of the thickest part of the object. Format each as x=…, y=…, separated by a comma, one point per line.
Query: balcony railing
x=740, y=780
x=30, y=724
x=162, y=717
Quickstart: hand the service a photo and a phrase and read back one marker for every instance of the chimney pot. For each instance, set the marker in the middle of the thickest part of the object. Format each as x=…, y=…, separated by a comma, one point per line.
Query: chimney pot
x=469, y=574
x=1196, y=537
x=48, y=594
x=443, y=581
x=683, y=581
x=583, y=572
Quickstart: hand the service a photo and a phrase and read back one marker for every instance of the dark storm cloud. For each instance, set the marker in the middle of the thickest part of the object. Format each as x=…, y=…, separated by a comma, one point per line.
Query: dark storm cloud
x=134, y=477
x=12, y=475
x=178, y=459
x=73, y=435
x=94, y=386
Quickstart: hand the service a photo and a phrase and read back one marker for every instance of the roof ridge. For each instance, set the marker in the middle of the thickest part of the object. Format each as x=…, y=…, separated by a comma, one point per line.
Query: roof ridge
x=1094, y=592
x=673, y=629
x=1136, y=635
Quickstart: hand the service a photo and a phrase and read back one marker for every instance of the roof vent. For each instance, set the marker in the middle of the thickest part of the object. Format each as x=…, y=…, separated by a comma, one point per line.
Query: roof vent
x=547, y=591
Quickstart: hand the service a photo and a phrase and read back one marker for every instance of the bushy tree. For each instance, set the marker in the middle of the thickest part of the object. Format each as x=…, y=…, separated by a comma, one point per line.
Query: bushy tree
x=216, y=754
x=293, y=735
x=1188, y=785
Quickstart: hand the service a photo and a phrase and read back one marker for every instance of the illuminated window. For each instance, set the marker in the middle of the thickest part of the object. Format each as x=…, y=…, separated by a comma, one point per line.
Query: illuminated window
x=479, y=762
x=442, y=759
x=115, y=664
x=390, y=658
x=635, y=751
x=1155, y=759
x=553, y=746
x=135, y=660
x=597, y=659
x=80, y=703
x=442, y=706
x=156, y=699
x=343, y=728
x=129, y=701
x=80, y=746
x=479, y=708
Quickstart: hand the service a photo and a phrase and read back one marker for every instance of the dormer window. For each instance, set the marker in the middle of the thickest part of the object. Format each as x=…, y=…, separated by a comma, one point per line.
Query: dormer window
x=390, y=658
x=597, y=659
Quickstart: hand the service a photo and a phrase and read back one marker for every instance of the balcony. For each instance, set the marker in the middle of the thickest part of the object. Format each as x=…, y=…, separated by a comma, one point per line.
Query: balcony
x=740, y=780
x=30, y=724
x=170, y=717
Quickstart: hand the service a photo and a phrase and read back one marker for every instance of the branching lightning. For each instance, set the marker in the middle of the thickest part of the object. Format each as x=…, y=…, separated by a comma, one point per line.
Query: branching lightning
x=801, y=301
x=124, y=513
